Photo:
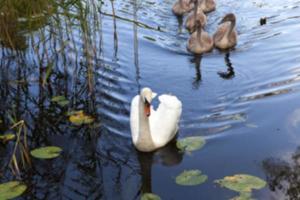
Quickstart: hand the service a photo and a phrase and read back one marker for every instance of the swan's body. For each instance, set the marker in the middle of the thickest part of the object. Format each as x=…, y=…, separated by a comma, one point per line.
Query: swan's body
x=226, y=35
x=207, y=5
x=182, y=6
x=197, y=14
x=200, y=42
x=152, y=131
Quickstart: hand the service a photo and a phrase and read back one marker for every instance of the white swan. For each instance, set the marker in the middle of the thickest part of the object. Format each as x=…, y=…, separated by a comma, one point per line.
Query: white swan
x=152, y=129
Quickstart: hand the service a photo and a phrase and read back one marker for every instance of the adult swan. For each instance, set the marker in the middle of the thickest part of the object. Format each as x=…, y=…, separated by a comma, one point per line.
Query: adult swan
x=152, y=129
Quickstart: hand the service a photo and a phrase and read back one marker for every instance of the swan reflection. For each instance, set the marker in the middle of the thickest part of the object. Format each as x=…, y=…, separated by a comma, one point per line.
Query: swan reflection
x=169, y=155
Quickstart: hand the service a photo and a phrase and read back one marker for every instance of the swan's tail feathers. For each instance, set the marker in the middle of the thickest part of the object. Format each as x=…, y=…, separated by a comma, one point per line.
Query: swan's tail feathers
x=170, y=101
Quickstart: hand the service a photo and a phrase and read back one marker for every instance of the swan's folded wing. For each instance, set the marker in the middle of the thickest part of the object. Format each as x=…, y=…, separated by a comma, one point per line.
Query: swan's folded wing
x=134, y=118
x=164, y=121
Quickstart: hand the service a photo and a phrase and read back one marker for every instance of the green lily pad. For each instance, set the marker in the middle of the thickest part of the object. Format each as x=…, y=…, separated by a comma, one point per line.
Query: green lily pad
x=11, y=190
x=79, y=118
x=243, y=196
x=241, y=183
x=190, y=178
x=190, y=143
x=150, y=196
x=46, y=152
x=60, y=100
x=7, y=137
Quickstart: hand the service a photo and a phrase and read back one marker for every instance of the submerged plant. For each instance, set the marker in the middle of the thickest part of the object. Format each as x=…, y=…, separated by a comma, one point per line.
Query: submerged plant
x=20, y=148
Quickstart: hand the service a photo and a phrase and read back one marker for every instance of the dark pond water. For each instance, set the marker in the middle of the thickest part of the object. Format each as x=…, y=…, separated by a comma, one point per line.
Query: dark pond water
x=99, y=54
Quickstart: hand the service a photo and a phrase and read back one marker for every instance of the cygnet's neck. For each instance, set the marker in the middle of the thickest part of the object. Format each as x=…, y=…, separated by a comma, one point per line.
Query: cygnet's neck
x=229, y=31
x=199, y=32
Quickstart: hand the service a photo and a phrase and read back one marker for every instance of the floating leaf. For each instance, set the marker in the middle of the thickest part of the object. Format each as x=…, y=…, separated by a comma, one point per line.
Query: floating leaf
x=7, y=137
x=190, y=143
x=11, y=190
x=46, y=152
x=60, y=100
x=190, y=178
x=242, y=183
x=150, y=196
x=79, y=118
x=243, y=196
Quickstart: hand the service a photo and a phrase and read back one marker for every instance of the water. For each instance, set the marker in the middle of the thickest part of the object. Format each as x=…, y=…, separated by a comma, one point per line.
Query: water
x=244, y=102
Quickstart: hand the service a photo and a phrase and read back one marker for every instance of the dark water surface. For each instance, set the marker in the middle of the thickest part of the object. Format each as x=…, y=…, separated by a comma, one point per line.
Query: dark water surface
x=244, y=102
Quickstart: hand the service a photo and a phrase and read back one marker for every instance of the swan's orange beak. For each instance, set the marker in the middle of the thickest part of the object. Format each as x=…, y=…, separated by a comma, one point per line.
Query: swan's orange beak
x=147, y=109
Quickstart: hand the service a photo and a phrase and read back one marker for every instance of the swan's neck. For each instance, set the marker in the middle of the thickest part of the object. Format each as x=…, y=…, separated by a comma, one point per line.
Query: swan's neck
x=145, y=140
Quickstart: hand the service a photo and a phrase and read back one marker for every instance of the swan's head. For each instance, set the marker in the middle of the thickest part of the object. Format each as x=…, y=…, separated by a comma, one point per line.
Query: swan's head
x=228, y=18
x=146, y=96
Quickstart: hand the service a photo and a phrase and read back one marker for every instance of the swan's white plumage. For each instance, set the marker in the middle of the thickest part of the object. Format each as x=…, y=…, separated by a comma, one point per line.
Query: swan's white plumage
x=134, y=118
x=163, y=121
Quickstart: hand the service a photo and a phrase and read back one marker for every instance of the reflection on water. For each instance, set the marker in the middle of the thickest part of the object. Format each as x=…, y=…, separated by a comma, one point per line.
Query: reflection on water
x=136, y=46
x=168, y=156
x=21, y=17
x=197, y=60
x=283, y=177
x=229, y=74
x=99, y=54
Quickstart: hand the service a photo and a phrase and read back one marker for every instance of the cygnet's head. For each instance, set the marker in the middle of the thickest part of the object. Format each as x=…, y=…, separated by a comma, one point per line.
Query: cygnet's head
x=228, y=18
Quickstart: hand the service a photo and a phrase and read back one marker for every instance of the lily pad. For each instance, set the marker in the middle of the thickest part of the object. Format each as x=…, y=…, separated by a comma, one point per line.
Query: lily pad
x=7, y=137
x=243, y=196
x=79, y=118
x=190, y=178
x=150, y=196
x=46, y=152
x=60, y=100
x=190, y=143
x=241, y=183
x=11, y=190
